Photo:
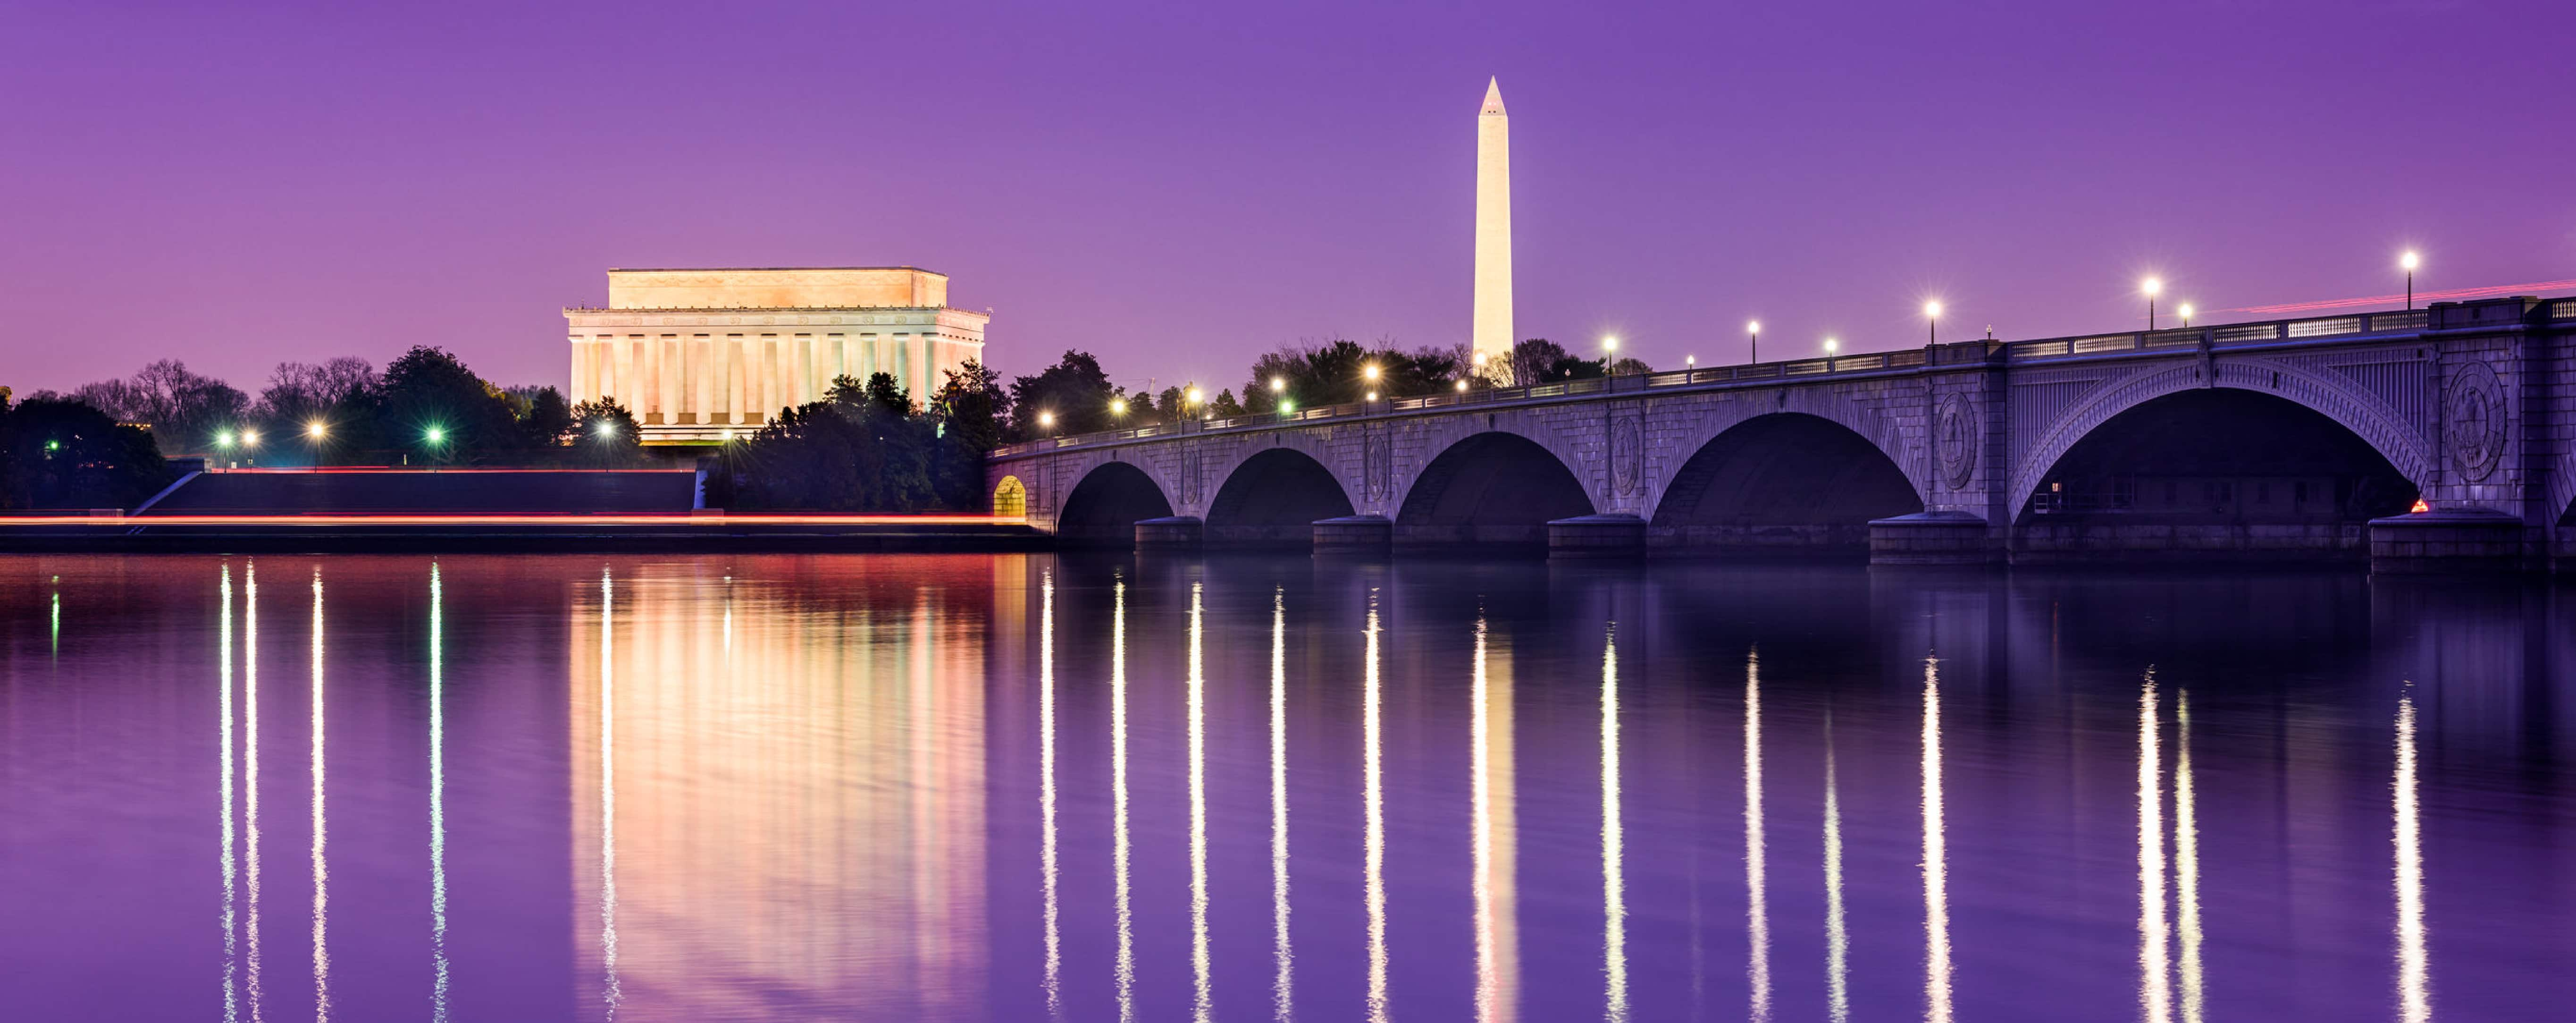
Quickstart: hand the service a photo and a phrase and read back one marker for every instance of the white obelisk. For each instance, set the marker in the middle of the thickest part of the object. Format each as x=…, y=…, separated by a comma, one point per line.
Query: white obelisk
x=1493, y=327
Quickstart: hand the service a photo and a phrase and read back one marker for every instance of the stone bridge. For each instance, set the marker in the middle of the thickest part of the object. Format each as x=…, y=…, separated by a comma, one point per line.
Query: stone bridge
x=2296, y=439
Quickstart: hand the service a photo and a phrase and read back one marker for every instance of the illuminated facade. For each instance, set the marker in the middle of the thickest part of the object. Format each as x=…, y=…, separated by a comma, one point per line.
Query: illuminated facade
x=697, y=355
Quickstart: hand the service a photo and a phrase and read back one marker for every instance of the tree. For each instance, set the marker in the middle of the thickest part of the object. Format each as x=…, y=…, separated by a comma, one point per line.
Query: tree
x=973, y=405
x=547, y=420
x=604, y=433
x=1074, y=391
x=64, y=453
x=1339, y=372
x=886, y=399
x=435, y=407
x=1541, y=361
x=185, y=410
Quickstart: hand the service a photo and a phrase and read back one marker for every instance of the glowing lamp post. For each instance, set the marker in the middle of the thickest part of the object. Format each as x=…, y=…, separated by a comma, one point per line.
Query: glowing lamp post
x=2151, y=287
x=2186, y=314
x=1932, y=317
x=1462, y=387
x=315, y=431
x=1830, y=345
x=1118, y=407
x=1046, y=422
x=1753, y=329
x=2409, y=262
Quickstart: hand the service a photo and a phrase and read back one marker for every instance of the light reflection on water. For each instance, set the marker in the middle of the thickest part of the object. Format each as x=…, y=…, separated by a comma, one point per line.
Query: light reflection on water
x=970, y=787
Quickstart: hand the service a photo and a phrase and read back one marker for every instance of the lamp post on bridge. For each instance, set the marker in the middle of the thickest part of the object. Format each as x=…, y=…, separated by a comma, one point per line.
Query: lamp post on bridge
x=1932, y=320
x=2409, y=261
x=1753, y=329
x=2151, y=287
x=1830, y=345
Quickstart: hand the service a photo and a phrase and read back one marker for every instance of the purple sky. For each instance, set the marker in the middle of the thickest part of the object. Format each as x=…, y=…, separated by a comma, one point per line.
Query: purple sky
x=1177, y=187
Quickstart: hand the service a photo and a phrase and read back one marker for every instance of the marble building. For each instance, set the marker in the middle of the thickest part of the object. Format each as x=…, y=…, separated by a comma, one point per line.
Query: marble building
x=699, y=355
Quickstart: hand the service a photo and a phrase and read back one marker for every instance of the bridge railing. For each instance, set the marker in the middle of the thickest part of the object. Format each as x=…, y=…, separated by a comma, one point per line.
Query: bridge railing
x=2216, y=336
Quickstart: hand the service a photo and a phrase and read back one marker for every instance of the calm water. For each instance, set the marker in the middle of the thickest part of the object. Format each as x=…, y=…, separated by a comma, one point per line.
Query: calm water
x=991, y=787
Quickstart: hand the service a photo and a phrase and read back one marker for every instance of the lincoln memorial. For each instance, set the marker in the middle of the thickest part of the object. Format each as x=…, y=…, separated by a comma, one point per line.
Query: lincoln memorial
x=700, y=354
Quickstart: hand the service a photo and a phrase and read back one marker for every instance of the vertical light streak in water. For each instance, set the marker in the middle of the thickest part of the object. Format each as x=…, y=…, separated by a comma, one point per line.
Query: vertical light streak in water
x=1491, y=1005
x=321, y=831
x=1837, y=939
x=2155, y=970
x=1281, y=985
x=2187, y=860
x=1046, y=790
x=437, y=797
x=1936, y=869
x=55, y=627
x=1198, y=813
x=1376, y=839
x=1757, y=910
x=1614, y=882
x=1118, y=798
x=250, y=790
x=224, y=785
x=612, y=994
x=2414, y=968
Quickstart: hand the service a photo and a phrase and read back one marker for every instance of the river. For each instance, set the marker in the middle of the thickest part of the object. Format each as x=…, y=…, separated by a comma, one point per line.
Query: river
x=1005, y=787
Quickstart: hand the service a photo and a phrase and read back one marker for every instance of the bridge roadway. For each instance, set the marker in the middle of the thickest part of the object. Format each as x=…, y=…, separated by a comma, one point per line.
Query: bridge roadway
x=2307, y=439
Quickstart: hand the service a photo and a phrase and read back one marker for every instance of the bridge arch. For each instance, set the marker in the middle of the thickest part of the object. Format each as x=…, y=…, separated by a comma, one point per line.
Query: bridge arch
x=1010, y=499
x=1105, y=505
x=1782, y=482
x=1491, y=486
x=2360, y=414
x=1272, y=496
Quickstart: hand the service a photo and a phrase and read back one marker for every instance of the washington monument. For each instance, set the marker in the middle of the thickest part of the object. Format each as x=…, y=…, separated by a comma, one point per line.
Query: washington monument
x=1493, y=333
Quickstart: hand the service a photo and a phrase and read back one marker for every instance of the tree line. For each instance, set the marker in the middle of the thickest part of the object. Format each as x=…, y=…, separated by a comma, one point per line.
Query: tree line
x=865, y=445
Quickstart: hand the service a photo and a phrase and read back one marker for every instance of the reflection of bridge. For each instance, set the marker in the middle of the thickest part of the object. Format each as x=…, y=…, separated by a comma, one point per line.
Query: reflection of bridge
x=2275, y=439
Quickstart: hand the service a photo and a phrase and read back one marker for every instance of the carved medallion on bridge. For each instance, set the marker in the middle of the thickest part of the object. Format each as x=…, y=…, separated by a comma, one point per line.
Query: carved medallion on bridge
x=2473, y=421
x=1627, y=456
x=1955, y=435
x=1190, y=474
x=1377, y=466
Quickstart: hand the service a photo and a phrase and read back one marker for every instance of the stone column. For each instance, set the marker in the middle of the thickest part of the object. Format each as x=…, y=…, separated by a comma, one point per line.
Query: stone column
x=585, y=368
x=647, y=402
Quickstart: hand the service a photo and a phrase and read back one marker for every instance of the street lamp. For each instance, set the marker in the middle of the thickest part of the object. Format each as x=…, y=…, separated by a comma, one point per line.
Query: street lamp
x=1369, y=371
x=224, y=439
x=1753, y=329
x=316, y=430
x=1830, y=345
x=1046, y=421
x=1462, y=387
x=250, y=438
x=607, y=430
x=1932, y=316
x=435, y=435
x=1278, y=384
x=2186, y=314
x=2410, y=261
x=1117, y=406
x=1194, y=396
x=1372, y=396
x=2151, y=287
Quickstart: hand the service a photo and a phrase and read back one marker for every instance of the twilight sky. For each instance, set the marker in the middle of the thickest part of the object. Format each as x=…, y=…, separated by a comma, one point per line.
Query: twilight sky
x=1179, y=186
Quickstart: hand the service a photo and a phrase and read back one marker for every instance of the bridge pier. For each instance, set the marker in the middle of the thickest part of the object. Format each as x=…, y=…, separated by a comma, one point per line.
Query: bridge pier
x=1597, y=536
x=1169, y=532
x=1354, y=534
x=1930, y=538
x=2449, y=541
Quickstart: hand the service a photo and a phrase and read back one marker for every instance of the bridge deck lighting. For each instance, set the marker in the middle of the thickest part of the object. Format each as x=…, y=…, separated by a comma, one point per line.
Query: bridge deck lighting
x=1610, y=343
x=1046, y=419
x=1117, y=406
x=1462, y=387
x=1278, y=384
x=2151, y=287
x=1689, y=361
x=1932, y=316
x=1286, y=406
x=1830, y=345
x=1372, y=396
x=1369, y=371
x=1753, y=329
x=2186, y=314
x=1195, y=396
x=2410, y=262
